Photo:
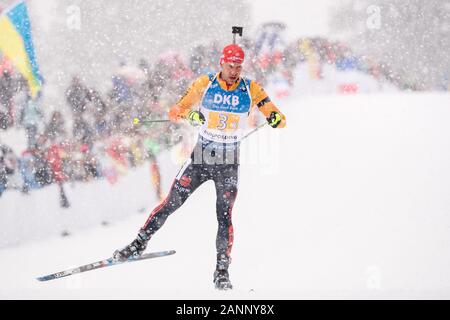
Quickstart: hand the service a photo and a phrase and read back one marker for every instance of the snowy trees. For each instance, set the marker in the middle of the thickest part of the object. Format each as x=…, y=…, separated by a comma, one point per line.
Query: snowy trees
x=92, y=38
x=411, y=37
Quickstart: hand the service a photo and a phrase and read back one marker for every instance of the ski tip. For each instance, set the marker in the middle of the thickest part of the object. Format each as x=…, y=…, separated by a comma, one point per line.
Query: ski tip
x=164, y=253
x=170, y=252
x=42, y=279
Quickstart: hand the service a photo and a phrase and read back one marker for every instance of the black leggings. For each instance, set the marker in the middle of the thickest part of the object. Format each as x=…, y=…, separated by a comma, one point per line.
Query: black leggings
x=190, y=177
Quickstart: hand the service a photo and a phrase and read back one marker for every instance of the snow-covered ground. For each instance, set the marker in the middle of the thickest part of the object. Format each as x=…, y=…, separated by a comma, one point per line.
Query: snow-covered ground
x=351, y=200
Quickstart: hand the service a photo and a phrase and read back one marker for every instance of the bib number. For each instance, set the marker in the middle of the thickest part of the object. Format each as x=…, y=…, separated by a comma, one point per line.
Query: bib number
x=223, y=121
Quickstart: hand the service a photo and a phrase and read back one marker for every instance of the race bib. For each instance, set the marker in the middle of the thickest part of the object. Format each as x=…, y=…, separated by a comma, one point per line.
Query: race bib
x=223, y=121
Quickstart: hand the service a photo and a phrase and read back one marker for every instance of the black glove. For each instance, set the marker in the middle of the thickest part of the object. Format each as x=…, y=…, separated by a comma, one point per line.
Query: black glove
x=274, y=119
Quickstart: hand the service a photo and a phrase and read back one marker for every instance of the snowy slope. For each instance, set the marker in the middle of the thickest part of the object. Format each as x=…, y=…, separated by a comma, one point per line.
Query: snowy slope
x=333, y=79
x=38, y=215
x=349, y=201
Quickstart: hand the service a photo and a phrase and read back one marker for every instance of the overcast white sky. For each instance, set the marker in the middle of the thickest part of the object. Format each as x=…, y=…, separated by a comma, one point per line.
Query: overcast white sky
x=303, y=18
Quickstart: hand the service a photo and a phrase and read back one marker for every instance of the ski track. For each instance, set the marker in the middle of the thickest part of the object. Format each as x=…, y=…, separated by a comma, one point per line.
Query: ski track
x=349, y=201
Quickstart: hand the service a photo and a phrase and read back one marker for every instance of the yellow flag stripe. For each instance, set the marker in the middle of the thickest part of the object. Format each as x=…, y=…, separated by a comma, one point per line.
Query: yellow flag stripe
x=13, y=48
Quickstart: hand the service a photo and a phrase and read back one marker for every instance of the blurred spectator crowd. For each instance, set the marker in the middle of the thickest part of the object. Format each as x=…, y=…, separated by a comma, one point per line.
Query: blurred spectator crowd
x=94, y=135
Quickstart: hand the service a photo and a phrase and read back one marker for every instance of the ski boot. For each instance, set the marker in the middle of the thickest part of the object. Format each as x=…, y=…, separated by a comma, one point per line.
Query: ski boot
x=222, y=280
x=221, y=276
x=134, y=249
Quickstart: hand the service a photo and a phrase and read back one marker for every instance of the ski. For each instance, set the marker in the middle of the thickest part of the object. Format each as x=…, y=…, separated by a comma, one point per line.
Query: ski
x=102, y=264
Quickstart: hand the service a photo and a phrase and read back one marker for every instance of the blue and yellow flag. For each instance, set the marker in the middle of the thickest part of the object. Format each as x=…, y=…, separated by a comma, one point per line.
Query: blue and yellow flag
x=16, y=45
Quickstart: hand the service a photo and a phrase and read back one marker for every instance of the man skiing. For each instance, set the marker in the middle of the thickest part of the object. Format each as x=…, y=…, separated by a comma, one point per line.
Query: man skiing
x=225, y=100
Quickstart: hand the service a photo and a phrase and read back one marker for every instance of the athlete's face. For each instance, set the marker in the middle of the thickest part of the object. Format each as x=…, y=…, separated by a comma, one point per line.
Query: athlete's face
x=231, y=72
